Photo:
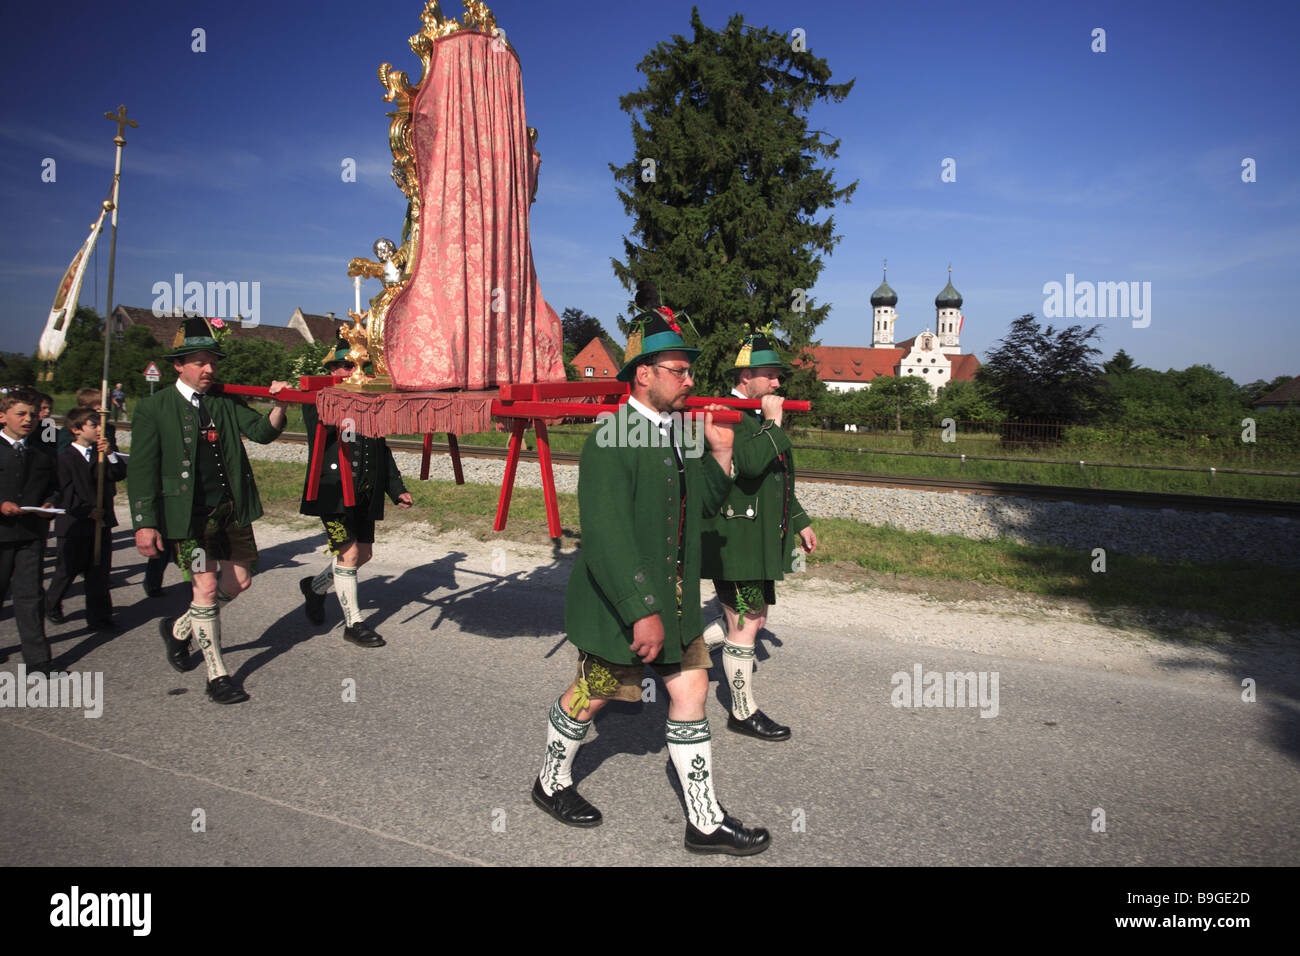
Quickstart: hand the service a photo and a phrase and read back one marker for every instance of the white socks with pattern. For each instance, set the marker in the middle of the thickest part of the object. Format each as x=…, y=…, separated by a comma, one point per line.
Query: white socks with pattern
x=345, y=586
x=322, y=582
x=691, y=751
x=181, y=627
x=738, y=666
x=564, y=736
x=206, y=622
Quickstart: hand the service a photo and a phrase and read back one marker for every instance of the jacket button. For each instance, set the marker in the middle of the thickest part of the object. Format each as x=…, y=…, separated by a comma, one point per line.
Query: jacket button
x=731, y=512
x=187, y=439
x=749, y=512
x=668, y=540
x=185, y=462
x=638, y=577
x=334, y=465
x=139, y=517
x=668, y=461
x=185, y=474
x=649, y=599
x=184, y=487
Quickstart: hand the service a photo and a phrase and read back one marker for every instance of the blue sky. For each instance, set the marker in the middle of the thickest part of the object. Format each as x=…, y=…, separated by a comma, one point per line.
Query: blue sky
x=1122, y=166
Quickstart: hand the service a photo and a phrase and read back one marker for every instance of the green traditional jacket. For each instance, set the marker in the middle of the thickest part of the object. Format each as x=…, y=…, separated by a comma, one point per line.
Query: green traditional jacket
x=374, y=473
x=164, y=439
x=630, y=508
x=755, y=535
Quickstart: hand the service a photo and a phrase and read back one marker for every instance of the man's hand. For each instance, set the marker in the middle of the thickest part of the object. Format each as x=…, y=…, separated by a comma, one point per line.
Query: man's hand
x=275, y=387
x=404, y=500
x=772, y=407
x=97, y=514
x=648, y=637
x=102, y=446
x=809, y=538
x=149, y=542
x=717, y=434
x=9, y=509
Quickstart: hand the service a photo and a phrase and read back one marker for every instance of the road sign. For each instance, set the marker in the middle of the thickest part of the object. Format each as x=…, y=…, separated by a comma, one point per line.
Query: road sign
x=151, y=374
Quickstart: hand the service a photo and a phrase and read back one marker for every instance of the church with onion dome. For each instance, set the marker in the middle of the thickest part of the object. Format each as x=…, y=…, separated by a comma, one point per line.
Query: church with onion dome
x=934, y=354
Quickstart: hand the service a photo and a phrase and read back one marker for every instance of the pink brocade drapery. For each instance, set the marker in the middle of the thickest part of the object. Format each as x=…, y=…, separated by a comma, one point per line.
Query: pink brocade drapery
x=472, y=315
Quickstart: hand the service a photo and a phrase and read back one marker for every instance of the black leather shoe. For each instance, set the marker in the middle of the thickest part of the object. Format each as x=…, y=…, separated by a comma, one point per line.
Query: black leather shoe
x=362, y=636
x=225, y=691
x=758, y=725
x=55, y=615
x=567, y=806
x=730, y=837
x=107, y=625
x=315, y=606
x=179, y=653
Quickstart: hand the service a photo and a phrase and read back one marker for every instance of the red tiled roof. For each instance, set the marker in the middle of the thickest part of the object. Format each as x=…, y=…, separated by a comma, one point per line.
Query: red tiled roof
x=838, y=363
x=963, y=368
x=595, y=355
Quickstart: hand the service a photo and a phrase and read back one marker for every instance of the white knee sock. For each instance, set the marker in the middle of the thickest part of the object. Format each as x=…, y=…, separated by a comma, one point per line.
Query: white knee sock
x=181, y=628
x=738, y=665
x=345, y=586
x=564, y=736
x=206, y=622
x=322, y=582
x=692, y=754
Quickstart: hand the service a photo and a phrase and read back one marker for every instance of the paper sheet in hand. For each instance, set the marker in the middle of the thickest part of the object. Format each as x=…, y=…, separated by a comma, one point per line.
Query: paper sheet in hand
x=44, y=511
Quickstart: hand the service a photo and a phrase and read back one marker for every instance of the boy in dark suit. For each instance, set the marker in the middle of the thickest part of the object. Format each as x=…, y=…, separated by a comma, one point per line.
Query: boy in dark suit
x=351, y=531
x=26, y=479
x=78, y=482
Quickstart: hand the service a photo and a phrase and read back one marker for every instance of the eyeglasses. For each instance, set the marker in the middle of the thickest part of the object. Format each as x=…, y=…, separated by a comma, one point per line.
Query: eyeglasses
x=681, y=373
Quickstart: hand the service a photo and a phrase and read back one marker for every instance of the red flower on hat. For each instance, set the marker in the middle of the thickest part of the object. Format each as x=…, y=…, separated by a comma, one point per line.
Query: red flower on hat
x=217, y=323
x=667, y=313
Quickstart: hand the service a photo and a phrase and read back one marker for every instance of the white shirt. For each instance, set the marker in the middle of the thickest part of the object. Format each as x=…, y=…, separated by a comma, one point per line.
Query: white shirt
x=660, y=419
x=19, y=443
x=88, y=450
x=190, y=394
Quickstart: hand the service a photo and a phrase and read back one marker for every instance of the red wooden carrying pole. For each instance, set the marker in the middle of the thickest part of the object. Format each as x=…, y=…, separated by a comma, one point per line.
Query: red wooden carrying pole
x=260, y=391
x=531, y=391
x=508, y=481
x=453, y=447
x=580, y=410
x=791, y=404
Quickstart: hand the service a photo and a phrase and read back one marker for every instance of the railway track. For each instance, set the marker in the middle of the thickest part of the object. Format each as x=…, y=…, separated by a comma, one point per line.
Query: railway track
x=1090, y=496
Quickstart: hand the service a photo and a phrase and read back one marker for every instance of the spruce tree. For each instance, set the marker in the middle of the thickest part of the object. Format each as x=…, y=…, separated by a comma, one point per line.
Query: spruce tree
x=725, y=192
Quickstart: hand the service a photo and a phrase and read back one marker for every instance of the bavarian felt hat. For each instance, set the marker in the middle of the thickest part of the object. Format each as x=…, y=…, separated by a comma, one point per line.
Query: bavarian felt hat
x=759, y=351
x=195, y=334
x=652, y=331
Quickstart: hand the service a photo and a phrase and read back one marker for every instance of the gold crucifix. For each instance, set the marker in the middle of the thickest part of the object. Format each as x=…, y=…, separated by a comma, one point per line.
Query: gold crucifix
x=122, y=122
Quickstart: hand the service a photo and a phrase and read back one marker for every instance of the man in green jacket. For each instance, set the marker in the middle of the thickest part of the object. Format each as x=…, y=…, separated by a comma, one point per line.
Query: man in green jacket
x=634, y=594
x=758, y=536
x=192, y=492
x=350, y=530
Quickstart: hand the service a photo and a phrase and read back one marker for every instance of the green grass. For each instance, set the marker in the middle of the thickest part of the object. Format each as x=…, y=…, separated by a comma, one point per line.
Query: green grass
x=1238, y=593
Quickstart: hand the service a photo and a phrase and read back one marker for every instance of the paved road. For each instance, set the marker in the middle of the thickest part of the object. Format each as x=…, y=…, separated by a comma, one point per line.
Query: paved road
x=433, y=761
